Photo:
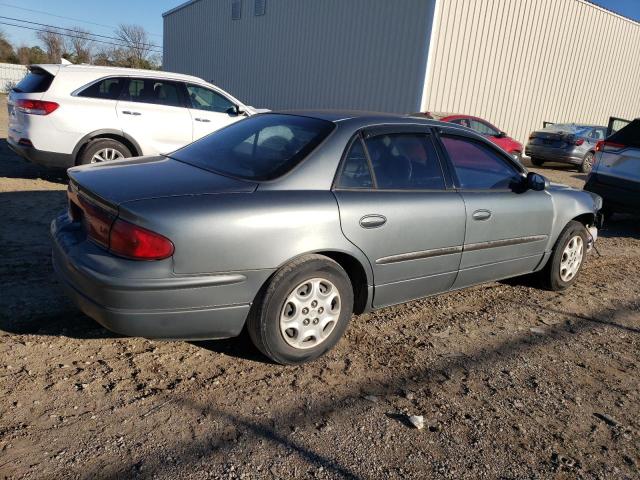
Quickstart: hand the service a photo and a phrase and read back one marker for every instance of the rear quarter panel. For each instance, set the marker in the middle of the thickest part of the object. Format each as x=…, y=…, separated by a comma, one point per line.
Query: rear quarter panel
x=244, y=231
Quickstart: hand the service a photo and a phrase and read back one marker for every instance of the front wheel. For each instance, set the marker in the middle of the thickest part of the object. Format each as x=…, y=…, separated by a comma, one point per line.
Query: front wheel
x=567, y=258
x=303, y=312
x=587, y=163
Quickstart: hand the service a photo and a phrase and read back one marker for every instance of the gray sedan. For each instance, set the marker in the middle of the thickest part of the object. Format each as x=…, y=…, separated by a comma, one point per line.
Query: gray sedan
x=288, y=223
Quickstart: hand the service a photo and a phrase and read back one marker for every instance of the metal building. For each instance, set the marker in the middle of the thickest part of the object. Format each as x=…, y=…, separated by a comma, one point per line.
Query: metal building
x=516, y=63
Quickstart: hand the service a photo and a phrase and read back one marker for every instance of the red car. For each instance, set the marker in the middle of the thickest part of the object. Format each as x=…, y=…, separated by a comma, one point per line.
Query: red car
x=483, y=127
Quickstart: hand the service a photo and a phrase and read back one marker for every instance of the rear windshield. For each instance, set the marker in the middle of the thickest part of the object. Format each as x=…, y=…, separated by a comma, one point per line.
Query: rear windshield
x=36, y=81
x=628, y=136
x=262, y=147
x=569, y=128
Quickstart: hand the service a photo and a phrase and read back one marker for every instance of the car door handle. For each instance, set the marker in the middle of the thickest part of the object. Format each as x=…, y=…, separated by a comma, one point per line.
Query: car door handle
x=127, y=112
x=481, y=214
x=372, y=221
x=206, y=120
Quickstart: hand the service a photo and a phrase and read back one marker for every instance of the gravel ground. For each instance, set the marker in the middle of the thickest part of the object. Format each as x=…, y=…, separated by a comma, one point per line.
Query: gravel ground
x=512, y=381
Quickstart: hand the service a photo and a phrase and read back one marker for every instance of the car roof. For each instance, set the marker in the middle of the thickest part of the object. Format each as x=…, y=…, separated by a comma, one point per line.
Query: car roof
x=54, y=69
x=361, y=117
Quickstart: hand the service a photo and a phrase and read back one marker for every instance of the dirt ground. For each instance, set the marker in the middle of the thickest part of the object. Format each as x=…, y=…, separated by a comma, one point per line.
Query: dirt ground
x=512, y=381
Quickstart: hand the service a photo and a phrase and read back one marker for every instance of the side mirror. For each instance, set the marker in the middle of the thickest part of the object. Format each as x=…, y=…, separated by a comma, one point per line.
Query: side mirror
x=235, y=110
x=536, y=182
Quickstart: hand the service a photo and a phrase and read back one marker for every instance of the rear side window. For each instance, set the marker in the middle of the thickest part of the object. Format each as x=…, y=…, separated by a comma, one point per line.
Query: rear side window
x=108, y=88
x=405, y=161
x=157, y=92
x=355, y=170
x=36, y=81
x=260, y=148
x=478, y=166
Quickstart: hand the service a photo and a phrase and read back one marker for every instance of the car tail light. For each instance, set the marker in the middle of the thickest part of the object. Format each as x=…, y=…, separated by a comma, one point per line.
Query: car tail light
x=613, y=145
x=579, y=142
x=36, y=107
x=97, y=220
x=137, y=243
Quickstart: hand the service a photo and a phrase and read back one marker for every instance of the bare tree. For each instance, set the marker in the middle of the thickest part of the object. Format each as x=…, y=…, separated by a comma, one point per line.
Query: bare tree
x=53, y=44
x=80, y=45
x=136, y=43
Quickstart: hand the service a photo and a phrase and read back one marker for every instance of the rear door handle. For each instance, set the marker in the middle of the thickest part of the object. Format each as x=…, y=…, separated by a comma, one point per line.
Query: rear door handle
x=373, y=221
x=481, y=214
x=127, y=112
x=206, y=120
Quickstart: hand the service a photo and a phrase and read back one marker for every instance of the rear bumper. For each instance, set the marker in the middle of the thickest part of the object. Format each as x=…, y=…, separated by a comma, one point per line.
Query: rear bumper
x=174, y=307
x=41, y=157
x=549, y=154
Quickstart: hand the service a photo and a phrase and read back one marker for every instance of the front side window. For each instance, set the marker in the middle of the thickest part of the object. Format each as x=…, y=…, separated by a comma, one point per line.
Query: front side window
x=405, y=161
x=355, y=170
x=157, y=92
x=206, y=99
x=108, y=89
x=260, y=148
x=478, y=166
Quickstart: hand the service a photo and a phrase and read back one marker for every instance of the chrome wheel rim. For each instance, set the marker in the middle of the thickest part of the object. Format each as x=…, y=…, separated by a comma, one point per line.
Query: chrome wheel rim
x=310, y=313
x=571, y=258
x=106, y=155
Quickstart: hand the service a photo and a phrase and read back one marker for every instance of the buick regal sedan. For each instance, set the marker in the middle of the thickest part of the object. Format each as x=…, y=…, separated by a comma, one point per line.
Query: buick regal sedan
x=287, y=223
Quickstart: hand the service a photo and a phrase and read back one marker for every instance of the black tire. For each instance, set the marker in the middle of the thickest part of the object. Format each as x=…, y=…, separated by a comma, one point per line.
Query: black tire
x=537, y=162
x=264, y=319
x=551, y=274
x=100, y=144
x=587, y=163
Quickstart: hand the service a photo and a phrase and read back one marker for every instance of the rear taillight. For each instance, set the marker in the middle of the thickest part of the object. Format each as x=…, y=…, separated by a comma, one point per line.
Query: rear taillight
x=612, y=145
x=599, y=145
x=98, y=222
x=579, y=142
x=36, y=107
x=131, y=241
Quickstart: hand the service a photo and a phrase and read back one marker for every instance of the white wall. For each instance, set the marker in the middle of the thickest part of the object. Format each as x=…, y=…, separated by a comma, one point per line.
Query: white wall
x=518, y=63
x=10, y=74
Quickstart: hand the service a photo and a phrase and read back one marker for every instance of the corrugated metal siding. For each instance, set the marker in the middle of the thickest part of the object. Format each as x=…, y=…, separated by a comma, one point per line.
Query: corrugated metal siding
x=355, y=54
x=518, y=63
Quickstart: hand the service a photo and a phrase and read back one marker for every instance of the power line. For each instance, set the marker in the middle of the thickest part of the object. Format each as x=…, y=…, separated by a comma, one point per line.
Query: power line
x=70, y=36
x=66, y=18
x=76, y=32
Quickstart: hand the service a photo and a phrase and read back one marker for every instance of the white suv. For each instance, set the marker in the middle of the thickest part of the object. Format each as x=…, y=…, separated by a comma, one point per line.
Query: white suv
x=65, y=115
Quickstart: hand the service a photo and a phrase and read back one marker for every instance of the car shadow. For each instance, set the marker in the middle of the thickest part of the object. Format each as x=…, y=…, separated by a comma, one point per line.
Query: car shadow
x=621, y=225
x=14, y=166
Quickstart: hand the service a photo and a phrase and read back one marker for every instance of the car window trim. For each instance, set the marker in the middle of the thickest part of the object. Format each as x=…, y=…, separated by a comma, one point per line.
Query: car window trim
x=182, y=91
x=482, y=141
x=190, y=103
x=79, y=90
x=343, y=160
x=373, y=131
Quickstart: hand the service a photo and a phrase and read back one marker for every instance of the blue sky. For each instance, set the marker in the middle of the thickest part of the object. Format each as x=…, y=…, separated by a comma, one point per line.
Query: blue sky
x=101, y=17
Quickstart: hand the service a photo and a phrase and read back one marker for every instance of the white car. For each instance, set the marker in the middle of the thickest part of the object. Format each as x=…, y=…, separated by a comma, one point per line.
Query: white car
x=66, y=115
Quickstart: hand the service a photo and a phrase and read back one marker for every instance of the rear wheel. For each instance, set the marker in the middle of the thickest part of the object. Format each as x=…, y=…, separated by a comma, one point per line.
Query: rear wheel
x=103, y=150
x=537, y=162
x=587, y=163
x=567, y=258
x=303, y=312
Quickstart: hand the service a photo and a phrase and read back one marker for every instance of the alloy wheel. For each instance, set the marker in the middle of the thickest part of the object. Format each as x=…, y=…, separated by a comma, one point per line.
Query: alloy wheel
x=571, y=258
x=106, y=155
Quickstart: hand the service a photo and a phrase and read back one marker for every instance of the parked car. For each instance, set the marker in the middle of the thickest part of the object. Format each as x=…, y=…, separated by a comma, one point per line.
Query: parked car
x=66, y=115
x=616, y=171
x=491, y=132
x=565, y=143
x=289, y=223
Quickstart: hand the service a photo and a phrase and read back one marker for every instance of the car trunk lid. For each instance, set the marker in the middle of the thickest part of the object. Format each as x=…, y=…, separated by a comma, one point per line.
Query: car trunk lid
x=115, y=183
